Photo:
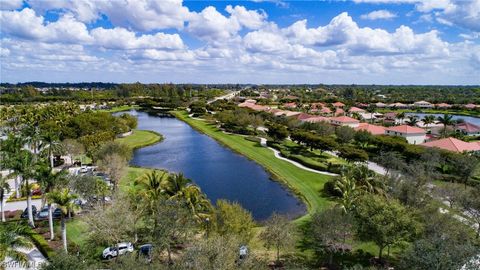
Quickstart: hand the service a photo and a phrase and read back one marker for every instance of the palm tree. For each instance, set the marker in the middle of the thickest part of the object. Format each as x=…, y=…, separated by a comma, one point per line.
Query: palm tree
x=446, y=120
x=174, y=184
x=371, y=109
x=24, y=168
x=197, y=202
x=151, y=186
x=401, y=116
x=65, y=201
x=4, y=188
x=50, y=143
x=412, y=120
x=346, y=185
x=428, y=119
x=48, y=180
x=10, y=149
x=12, y=237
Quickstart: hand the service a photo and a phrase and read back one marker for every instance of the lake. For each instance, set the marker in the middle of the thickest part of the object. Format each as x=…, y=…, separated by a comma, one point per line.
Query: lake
x=470, y=119
x=220, y=172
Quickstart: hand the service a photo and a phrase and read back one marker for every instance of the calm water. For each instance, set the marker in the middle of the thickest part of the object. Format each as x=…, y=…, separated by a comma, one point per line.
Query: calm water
x=470, y=119
x=220, y=172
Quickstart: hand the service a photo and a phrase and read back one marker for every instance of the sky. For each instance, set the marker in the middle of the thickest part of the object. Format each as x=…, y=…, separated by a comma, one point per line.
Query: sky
x=258, y=41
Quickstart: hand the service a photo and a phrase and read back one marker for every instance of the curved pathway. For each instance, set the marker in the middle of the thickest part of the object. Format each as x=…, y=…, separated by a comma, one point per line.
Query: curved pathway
x=263, y=142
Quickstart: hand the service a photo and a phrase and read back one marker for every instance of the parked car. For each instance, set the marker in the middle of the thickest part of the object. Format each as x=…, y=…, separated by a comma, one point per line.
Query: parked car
x=57, y=213
x=43, y=214
x=243, y=252
x=146, y=251
x=25, y=212
x=120, y=249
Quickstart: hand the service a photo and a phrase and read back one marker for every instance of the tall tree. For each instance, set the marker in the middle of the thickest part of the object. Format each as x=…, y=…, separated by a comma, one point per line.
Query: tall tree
x=329, y=232
x=114, y=165
x=279, y=233
x=65, y=201
x=48, y=180
x=446, y=120
x=385, y=222
x=50, y=143
x=4, y=188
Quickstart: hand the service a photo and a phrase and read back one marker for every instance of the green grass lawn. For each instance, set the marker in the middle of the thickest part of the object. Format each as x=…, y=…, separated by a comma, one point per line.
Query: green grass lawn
x=140, y=138
x=305, y=184
x=313, y=159
x=121, y=108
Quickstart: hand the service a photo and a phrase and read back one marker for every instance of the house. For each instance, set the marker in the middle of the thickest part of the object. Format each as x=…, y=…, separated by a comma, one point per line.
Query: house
x=303, y=116
x=398, y=105
x=380, y=105
x=413, y=135
x=470, y=106
x=468, y=129
x=338, y=104
x=339, y=111
x=316, y=119
x=362, y=105
x=344, y=121
x=370, y=116
x=453, y=145
x=290, y=105
x=423, y=104
x=356, y=110
x=373, y=129
x=325, y=110
x=443, y=106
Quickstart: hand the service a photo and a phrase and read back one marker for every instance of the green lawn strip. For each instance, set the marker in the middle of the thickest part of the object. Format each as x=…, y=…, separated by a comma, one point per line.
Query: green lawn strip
x=141, y=138
x=305, y=184
x=121, y=108
x=313, y=159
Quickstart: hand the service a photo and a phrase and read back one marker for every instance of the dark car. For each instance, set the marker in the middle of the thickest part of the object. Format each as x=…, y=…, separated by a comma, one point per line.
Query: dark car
x=43, y=214
x=25, y=212
x=146, y=251
x=57, y=213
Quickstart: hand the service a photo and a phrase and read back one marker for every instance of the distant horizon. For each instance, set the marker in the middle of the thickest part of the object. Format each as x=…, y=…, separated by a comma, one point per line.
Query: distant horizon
x=216, y=83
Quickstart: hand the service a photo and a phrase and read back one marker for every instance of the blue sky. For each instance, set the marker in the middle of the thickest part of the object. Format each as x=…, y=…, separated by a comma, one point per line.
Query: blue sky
x=358, y=41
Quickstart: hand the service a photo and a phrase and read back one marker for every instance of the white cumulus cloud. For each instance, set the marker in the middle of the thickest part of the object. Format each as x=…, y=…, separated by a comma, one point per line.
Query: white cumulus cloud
x=379, y=15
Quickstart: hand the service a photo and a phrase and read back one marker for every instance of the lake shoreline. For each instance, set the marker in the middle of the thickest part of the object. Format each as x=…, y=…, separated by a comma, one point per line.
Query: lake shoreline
x=310, y=202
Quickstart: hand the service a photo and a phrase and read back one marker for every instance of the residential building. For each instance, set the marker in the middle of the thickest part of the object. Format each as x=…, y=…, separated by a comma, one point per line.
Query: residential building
x=338, y=104
x=423, y=104
x=453, y=145
x=413, y=135
x=373, y=129
x=344, y=121
x=443, y=106
x=468, y=129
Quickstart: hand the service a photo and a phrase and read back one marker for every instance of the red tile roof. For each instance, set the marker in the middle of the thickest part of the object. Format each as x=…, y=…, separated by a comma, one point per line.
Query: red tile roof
x=303, y=116
x=373, y=129
x=316, y=119
x=344, y=119
x=454, y=145
x=470, y=106
x=468, y=127
x=355, y=109
x=443, y=105
x=406, y=129
x=339, y=111
x=290, y=105
x=325, y=110
x=338, y=104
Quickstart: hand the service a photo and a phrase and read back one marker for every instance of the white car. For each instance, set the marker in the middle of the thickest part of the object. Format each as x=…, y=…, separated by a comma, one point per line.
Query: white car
x=111, y=252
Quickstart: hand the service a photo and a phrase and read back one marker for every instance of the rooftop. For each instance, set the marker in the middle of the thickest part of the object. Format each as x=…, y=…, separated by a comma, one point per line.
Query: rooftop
x=344, y=119
x=468, y=127
x=406, y=129
x=373, y=129
x=454, y=145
